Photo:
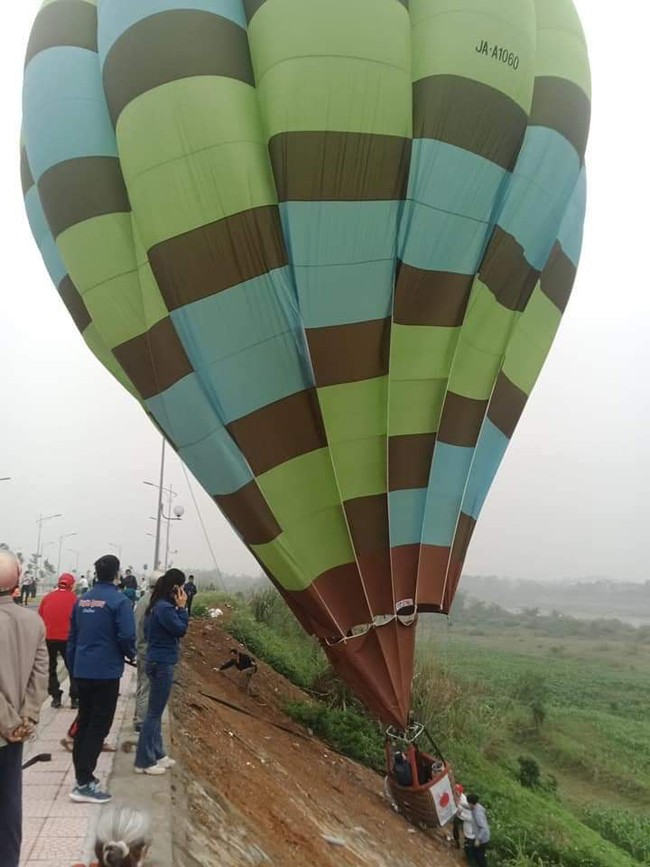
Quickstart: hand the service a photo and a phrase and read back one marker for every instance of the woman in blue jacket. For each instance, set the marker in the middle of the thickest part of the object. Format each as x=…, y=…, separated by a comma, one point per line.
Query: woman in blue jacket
x=166, y=621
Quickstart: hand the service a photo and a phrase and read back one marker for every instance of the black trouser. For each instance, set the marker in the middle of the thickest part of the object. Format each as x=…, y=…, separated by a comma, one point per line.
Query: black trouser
x=11, y=804
x=54, y=650
x=190, y=599
x=97, y=703
x=24, y=595
x=480, y=855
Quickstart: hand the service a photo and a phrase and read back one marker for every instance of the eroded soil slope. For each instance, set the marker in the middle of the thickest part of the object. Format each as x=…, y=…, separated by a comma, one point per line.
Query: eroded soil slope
x=248, y=792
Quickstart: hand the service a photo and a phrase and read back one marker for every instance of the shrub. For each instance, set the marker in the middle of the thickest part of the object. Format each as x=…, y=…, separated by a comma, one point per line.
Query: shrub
x=529, y=773
x=348, y=731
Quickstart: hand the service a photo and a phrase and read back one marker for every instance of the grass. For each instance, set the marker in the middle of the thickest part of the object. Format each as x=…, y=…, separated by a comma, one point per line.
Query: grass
x=628, y=832
x=585, y=681
x=348, y=731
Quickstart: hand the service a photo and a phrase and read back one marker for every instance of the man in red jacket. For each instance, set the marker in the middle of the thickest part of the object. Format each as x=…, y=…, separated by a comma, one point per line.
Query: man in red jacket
x=56, y=610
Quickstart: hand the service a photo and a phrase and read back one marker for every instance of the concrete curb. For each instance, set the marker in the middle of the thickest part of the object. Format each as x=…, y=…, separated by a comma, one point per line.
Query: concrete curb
x=58, y=833
x=153, y=794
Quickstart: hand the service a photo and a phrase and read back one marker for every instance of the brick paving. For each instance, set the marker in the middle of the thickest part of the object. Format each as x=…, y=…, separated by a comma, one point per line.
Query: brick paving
x=56, y=831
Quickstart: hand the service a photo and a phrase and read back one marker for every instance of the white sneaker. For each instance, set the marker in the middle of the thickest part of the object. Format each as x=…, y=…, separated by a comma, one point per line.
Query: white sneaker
x=166, y=762
x=154, y=770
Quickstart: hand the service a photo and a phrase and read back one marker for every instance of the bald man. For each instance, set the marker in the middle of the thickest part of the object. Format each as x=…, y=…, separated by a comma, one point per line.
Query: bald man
x=23, y=687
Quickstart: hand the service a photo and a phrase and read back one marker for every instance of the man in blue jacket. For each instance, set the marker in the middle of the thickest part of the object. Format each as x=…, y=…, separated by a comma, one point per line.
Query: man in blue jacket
x=102, y=635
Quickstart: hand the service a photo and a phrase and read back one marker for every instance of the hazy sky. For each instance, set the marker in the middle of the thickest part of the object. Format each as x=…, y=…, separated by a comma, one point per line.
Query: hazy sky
x=569, y=499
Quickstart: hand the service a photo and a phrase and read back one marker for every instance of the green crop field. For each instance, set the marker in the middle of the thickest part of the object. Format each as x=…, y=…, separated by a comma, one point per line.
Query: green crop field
x=576, y=705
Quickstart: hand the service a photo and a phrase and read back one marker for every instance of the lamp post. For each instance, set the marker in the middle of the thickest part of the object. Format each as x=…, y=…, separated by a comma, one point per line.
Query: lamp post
x=44, y=547
x=40, y=523
x=76, y=557
x=178, y=512
x=175, y=514
x=58, y=562
x=156, y=554
x=5, y=479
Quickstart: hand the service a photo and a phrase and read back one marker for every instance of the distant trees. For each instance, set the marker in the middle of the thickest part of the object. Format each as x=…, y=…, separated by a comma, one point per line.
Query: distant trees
x=44, y=572
x=471, y=612
x=594, y=598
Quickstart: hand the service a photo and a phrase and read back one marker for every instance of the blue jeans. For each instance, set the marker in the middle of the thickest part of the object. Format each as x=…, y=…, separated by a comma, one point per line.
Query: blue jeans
x=150, y=743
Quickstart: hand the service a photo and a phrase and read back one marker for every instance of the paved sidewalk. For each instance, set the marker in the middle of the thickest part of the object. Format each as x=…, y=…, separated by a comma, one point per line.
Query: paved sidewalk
x=56, y=831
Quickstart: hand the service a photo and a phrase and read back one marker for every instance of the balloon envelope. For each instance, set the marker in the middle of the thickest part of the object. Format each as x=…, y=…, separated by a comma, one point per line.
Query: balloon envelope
x=327, y=245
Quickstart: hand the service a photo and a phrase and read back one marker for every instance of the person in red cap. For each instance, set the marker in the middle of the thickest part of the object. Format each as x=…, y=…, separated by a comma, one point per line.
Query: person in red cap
x=56, y=610
x=463, y=822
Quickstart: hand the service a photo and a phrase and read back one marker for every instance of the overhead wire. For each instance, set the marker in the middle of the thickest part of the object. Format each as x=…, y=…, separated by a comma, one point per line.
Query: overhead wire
x=203, y=527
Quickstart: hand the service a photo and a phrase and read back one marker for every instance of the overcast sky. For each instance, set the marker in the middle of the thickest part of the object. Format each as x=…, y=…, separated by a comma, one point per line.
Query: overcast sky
x=569, y=499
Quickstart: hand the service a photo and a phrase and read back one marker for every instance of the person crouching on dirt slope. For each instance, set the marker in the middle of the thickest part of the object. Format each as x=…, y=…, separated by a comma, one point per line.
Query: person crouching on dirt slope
x=242, y=662
x=56, y=610
x=166, y=622
x=122, y=839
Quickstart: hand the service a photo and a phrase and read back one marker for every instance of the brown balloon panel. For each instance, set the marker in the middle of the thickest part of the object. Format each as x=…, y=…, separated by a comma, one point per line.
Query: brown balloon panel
x=378, y=666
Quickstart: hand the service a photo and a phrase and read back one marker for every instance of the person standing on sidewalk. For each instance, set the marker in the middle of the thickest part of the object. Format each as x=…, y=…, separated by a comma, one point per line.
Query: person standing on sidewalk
x=190, y=590
x=102, y=635
x=23, y=687
x=130, y=580
x=25, y=588
x=56, y=610
x=142, y=688
x=166, y=622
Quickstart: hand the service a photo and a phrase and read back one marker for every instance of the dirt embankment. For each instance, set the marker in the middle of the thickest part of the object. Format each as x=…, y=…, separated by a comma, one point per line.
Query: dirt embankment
x=247, y=792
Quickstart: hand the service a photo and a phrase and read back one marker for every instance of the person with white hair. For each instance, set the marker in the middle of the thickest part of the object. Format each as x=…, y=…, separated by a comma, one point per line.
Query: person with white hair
x=23, y=687
x=122, y=839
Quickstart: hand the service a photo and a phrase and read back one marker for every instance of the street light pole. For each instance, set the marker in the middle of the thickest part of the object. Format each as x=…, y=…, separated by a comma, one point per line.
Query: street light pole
x=76, y=557
x=44, y=547
x=174, y=515
x=169, y=519
x=156, y=556
x=40, y=523
x=5, y=479
x=58, y=562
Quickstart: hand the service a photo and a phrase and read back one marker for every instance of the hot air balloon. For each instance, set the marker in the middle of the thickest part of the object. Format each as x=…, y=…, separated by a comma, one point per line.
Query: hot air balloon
x=327, y=245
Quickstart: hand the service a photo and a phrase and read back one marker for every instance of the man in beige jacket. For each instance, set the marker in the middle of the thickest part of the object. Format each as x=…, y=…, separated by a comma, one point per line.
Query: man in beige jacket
x=23, y=688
